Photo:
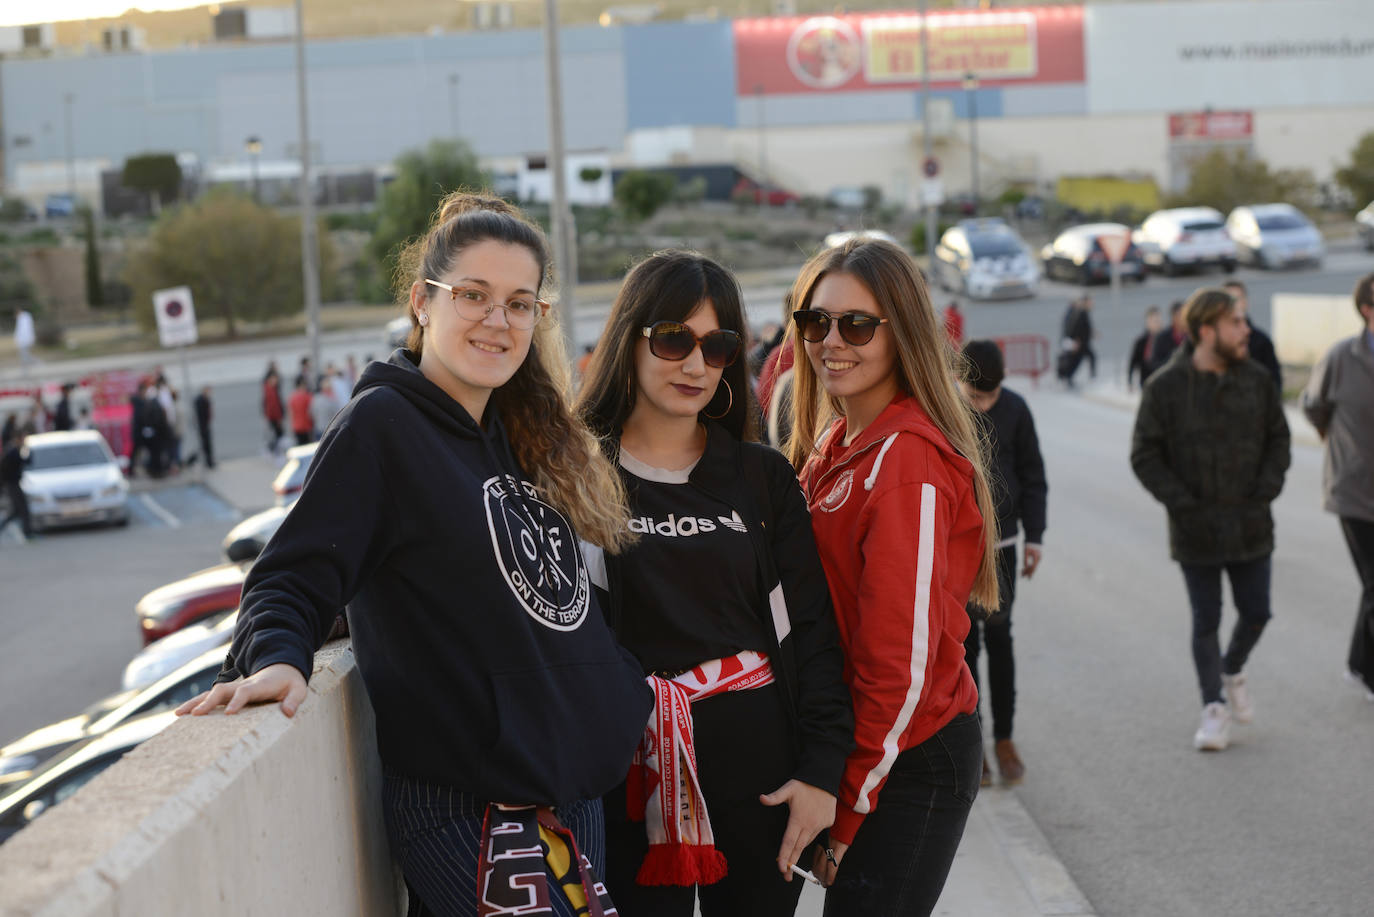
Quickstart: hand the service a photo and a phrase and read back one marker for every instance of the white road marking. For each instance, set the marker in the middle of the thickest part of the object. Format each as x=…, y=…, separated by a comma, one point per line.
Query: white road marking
x=172, y=522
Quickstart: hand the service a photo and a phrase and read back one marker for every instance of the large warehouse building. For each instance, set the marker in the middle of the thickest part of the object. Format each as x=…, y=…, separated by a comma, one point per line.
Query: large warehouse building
x=807, y=103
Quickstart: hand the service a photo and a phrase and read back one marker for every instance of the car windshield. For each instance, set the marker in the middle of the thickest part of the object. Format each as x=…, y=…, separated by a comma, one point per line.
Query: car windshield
x=993, y=245
x=1202, y=226
x=69, y=455
x=1281, y=221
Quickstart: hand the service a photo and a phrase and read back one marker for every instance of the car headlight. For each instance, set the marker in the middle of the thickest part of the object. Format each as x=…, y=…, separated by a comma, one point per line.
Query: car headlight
x=18, y=763
x=39, y=497
x=113, y=490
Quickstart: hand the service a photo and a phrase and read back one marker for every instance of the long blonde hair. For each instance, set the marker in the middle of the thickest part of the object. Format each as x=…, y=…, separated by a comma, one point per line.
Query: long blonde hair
x=551, y=446
x=926, y=369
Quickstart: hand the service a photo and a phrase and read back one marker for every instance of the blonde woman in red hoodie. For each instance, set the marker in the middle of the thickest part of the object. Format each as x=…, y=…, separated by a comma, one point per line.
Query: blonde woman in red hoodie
x=894, y=473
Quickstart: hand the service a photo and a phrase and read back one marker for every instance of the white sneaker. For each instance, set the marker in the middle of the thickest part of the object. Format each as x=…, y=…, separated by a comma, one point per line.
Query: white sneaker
x=1358, y=682
x=1214, y=734
x=1238, y=697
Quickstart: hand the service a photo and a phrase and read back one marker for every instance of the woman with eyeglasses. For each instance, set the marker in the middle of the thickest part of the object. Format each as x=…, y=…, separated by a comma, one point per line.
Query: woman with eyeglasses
x=724, y=603
x=894, y=472
x=443, y=509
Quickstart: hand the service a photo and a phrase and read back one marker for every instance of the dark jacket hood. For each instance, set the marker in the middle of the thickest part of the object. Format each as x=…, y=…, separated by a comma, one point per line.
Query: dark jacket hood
x=401, y=373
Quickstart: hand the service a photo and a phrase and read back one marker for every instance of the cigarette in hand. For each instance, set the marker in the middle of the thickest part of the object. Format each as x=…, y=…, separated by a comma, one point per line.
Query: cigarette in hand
x=804, y=874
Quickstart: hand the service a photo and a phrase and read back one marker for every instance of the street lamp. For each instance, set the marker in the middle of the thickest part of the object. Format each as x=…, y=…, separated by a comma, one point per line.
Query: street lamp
x=453, y=103
x=253, y=146
x=971, y=87
x=67, y=100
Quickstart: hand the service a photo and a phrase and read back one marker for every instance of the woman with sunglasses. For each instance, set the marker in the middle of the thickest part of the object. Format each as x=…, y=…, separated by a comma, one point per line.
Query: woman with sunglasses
x=725, y=605
x=894, y=472
x=444, y=509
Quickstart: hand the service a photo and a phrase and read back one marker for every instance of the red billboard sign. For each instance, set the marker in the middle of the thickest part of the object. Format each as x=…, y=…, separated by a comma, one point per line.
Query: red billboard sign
x=793, y=54
x=1212, y=125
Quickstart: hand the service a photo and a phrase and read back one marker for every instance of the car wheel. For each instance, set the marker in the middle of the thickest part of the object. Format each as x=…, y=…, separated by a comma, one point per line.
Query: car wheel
x=1170, y=269
x=1257, y=258
x=1229, y=266
x=1084, y=277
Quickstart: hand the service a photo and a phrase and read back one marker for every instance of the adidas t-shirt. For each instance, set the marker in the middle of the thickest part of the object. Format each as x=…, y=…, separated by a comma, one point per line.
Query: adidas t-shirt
x=691, y=582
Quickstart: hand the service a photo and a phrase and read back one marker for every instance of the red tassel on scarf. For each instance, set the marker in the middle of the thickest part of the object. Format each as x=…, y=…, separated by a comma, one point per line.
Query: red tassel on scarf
x=681, y=864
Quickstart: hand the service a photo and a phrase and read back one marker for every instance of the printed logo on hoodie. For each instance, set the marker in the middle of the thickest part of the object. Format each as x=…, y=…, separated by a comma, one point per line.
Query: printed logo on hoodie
x=839, y=492
x=538, y=554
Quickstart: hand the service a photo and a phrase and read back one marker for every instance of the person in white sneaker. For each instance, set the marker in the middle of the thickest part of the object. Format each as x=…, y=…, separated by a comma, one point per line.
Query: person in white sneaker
x=1212, y=445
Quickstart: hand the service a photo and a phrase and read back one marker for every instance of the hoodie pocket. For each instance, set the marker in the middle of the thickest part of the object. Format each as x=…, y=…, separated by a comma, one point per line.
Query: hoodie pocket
x=565, y=732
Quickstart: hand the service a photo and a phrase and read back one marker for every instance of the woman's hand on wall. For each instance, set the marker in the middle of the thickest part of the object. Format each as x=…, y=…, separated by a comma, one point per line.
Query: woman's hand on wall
x=279, y=682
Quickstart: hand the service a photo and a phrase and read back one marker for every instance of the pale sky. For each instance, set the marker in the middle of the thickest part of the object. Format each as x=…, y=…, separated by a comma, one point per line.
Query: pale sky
x=29, y=12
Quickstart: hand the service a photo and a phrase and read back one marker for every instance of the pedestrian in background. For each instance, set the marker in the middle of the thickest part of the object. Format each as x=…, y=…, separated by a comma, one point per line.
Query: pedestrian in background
x=24, y=339
x=324, y=404
x=954, y=324
x=204, y=415
x=905, y=524
x=1339, y=400
x=1018, y=483
x=1142, y=349
x=493, y=676
x=1212, y=445
x=1076, y=344
x=272, y=410
x=13, y=458
x=62, y=414
x=302, y=424
x=1168, y=340
x=1261, y=346
x=751, y=646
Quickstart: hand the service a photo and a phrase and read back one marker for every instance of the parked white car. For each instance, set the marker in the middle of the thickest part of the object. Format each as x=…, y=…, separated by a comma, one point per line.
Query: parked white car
x=1364, y=225
x=1185, y=238
x=839, y=238
x=985, y=259
x=1275, y=235
x=160, y=658
x=73, y=478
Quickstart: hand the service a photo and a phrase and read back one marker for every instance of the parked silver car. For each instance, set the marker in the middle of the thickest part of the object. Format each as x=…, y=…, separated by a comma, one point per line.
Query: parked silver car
x=20, y=758
x=1275, y=235
x=1185, y=238
x=73, y=478
x=1364, y=225
x=985, y=259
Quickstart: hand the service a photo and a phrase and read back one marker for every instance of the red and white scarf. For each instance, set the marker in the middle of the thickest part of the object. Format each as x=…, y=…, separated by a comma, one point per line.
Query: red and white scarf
x=662, y=788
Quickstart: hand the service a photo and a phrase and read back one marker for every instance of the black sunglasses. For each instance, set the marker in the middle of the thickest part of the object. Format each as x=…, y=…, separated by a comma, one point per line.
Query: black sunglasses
x=857, y=328
x=675, y=341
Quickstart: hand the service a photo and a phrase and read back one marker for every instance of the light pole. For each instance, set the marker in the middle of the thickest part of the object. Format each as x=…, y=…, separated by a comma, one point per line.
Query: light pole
x=453, y=103
x=67, y=100
x=560, y=214
x=763, y=146
x=971, y=87
x=925, y=133
x=310, y=267
x=253, y=146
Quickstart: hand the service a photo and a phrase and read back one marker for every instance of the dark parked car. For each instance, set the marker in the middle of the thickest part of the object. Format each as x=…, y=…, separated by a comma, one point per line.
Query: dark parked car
x=1076, y=255
x=22, y=757
x=73, y=769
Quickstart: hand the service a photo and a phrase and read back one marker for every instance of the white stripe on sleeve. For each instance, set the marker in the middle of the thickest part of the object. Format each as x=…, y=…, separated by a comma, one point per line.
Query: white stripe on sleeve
x=920, y=651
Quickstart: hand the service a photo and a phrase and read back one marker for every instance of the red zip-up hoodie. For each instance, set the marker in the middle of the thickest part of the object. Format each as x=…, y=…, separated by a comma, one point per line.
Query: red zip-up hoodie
x=900, y=537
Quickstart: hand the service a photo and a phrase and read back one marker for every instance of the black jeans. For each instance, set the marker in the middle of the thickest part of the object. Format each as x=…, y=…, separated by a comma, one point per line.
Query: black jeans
x=19, y=509
x=1359, y=535
x=996, y=633
x=900, y=858
x=1250, y=592
x=743, y=749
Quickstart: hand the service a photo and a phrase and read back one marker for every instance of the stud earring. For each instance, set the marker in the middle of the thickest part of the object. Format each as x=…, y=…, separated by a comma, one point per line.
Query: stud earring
x=424, y=319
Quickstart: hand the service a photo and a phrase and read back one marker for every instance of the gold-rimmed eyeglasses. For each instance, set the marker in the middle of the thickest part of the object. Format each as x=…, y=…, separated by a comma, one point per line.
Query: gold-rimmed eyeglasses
x=475, y=304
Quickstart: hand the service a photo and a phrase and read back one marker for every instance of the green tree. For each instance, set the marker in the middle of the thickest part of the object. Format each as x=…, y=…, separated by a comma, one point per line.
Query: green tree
x=590, y=174
x=156, y=174
x=1358, y=177
x=640, y=193
x=95, y=291
x=1225, y=179
x=408, y=202
x=241, y=260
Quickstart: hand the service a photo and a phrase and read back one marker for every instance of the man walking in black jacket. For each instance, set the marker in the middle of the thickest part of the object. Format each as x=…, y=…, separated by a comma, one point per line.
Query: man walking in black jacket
x=1018, y=474
x=1212, y=445
x=203, y=414
x=12, y=462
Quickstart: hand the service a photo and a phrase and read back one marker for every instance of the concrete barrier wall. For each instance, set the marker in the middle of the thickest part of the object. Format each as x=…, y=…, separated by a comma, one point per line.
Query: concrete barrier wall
x=253, y=814
x=1306, y=325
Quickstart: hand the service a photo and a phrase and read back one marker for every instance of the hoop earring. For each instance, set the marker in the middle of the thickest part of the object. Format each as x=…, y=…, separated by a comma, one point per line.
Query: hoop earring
x=730, y=393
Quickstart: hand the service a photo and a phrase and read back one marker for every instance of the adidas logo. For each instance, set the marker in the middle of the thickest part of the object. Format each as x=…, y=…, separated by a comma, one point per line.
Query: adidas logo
x=686, y=526
x=734, y=523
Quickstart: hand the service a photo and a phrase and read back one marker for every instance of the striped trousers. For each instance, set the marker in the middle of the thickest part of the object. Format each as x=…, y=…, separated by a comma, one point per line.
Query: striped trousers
x=435, y=832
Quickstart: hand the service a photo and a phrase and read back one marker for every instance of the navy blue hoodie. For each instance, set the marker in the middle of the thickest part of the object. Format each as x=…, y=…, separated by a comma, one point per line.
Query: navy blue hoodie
x=481, y=644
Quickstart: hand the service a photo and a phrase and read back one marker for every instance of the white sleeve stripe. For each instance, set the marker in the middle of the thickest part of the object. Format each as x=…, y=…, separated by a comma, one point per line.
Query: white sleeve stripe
x=920, y=651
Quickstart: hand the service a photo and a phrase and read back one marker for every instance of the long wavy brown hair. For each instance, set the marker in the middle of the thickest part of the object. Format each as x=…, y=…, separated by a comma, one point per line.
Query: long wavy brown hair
x=552, y=446
x=927, y=367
